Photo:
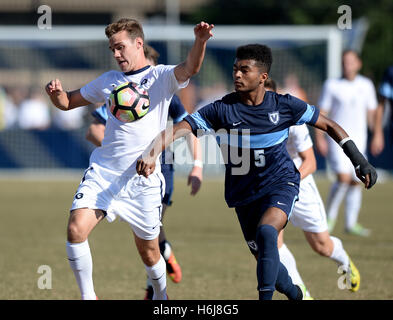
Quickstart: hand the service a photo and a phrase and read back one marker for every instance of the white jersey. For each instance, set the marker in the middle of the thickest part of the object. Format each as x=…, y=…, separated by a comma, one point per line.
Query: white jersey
x=347, y=103
x=125, y=142
x=299, y=140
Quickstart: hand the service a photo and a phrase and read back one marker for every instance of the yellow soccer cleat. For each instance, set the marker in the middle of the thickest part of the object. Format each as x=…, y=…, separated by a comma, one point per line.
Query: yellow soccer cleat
x=354, y=277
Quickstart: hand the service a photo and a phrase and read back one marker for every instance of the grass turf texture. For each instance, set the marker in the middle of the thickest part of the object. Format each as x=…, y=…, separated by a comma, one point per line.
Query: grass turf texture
x=206, y=238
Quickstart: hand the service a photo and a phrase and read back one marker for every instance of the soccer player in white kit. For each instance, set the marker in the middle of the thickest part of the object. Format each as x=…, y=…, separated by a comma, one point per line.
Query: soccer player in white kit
x=309, y=212
x=350, y=101
x=110, y=186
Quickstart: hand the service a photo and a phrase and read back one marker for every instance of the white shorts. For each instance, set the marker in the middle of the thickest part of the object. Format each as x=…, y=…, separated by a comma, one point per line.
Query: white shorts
x=339, y=162
x=309, y=212
x=136, y=199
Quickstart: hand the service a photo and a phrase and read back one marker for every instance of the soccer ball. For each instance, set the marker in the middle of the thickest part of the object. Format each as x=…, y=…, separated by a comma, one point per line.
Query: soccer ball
x=129, y=102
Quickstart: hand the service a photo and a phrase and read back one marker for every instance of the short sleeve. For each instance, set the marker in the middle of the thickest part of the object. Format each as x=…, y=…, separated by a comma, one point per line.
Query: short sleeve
x=92, y=91
x=167, y=71
x=100, y=114
x=372, y=102
x=302, y=112
x=301, y=137
x=206, y=120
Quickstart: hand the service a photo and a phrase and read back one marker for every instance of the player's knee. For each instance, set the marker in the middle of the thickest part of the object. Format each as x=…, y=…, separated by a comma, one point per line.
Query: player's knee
x=266, y=236
x=75, y=233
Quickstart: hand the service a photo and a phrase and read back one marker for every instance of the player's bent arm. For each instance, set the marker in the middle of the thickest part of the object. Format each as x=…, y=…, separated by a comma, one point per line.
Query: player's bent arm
x=320, y=140
x=309, y=164
x=146, y=165
x=193, y=62
x=364, y=170
x=64, y=100
x=95, y=133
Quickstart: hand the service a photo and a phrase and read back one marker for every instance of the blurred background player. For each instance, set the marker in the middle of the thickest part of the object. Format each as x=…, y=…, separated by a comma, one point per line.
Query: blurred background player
x=309, y=212
x=385, y=95
x=95, y=134
x=351, y=102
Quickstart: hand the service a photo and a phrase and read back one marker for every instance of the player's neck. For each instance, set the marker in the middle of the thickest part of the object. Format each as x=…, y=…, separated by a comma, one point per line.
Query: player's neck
x=253, y=98
x=140, y=64
x=350, y=77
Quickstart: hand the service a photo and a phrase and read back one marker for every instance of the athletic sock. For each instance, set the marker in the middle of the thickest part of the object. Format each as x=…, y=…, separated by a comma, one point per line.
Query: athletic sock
x=338, y=254
x=288, y=260
x=79, y=257
x=352, y=206
x=268, y=260
x=157, y=275
x=285, y=285
x=336, y=195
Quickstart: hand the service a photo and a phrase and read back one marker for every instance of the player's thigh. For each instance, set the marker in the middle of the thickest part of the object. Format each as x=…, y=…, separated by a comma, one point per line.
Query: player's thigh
x=275, y=217
x=82, y=221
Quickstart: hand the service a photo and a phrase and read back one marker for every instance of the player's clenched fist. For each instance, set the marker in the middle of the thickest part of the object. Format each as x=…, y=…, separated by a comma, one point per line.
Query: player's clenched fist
x=145, y=167
x=53, y=87
x=203, y=30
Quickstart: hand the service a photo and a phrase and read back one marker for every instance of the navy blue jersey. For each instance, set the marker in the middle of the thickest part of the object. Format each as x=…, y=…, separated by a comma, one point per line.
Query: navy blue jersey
x=257, y=136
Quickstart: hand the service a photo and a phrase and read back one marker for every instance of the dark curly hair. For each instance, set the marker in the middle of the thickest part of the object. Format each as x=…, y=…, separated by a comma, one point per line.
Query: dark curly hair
x=260, y=53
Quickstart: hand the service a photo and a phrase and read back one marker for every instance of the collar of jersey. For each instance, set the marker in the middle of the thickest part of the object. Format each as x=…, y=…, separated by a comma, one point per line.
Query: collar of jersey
x=130, y=73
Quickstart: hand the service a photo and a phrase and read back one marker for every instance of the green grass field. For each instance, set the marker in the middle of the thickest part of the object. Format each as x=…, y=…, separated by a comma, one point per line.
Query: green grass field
x=207, y=241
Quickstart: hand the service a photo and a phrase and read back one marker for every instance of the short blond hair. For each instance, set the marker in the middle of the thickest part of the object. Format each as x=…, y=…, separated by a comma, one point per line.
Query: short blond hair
x=132, y=26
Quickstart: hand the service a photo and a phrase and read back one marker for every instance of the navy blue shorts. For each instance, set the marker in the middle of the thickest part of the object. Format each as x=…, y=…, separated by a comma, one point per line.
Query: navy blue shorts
x=282, y=197
x=168, y=172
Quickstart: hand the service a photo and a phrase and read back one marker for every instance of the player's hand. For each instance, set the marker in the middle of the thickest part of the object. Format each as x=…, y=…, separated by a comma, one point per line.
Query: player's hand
x=367, y=174
x=195, y=179
x=203, y=31
x=145, y=167
x=54, y=87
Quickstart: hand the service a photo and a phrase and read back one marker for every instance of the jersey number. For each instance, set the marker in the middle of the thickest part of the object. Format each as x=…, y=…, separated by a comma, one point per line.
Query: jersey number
x=259, y=156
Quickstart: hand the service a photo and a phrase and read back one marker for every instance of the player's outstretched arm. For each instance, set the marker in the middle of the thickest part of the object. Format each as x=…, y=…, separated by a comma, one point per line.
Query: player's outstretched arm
x=193, y=63
x=364, y=170
x=95, y=133
x=146, y=165
x=64, y=100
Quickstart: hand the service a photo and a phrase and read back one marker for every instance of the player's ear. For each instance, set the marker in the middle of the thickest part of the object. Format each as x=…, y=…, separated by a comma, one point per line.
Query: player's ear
x=139, y=42
x=263, y=77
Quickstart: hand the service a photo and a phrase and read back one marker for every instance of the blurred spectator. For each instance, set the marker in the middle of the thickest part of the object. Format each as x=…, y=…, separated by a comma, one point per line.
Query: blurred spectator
x=292, y=86
x=212, y=93
x=34, y=111
x=8, y=111
x=69, y=120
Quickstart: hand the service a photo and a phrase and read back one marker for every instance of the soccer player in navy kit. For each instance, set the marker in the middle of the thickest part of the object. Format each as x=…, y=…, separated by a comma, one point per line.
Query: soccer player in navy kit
x=256, y=123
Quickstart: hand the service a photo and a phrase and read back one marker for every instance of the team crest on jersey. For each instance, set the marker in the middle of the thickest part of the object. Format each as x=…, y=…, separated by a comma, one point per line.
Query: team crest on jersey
x=274, y=117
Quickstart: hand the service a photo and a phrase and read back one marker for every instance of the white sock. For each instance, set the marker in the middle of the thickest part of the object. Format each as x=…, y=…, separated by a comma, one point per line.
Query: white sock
x=352, y=206
x=338, y=254
x=157, y=275
x=288, y=260
x=336, y=195
x=79, y=257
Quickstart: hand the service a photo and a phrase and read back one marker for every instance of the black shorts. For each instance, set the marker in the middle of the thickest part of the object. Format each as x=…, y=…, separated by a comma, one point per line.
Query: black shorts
x=283, y=197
